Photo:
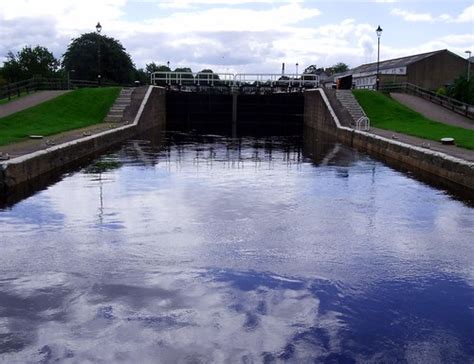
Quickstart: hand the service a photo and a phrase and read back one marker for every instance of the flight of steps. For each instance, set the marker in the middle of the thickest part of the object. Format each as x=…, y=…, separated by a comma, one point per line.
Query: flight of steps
x=115, y=114
x=347, y=99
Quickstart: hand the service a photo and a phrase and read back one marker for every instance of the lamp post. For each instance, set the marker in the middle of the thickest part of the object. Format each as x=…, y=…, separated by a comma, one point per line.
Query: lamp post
x=296, y=69
x=379, y=33
x=98, y=28
x=468, y=65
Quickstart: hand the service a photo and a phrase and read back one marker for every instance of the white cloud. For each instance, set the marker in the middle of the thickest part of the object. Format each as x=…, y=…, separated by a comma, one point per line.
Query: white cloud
x=412, y=16
x=233, y=35
x=466, y=16
x=233, y=19
x=187, y=4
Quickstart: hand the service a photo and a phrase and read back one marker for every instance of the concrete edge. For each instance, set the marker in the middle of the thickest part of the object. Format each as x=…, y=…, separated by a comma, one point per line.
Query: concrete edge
x=394, y=142
x=29, y=166
x=58, y=147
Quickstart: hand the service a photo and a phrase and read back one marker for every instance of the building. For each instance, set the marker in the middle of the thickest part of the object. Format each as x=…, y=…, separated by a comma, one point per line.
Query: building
x=430, y=70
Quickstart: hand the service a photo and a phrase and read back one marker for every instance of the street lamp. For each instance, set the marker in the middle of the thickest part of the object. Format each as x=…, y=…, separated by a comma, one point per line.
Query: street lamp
x=379, y=33
x=98, y=28
x=468, y=65
x=296, y=70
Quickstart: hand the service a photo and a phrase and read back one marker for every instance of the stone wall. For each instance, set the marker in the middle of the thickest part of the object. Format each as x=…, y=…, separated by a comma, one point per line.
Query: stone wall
x=449, y=171
x=151, y=113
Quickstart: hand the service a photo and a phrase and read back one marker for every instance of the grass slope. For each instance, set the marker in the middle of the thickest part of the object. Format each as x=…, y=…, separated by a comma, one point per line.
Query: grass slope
x=386, y=113
x=76, y=109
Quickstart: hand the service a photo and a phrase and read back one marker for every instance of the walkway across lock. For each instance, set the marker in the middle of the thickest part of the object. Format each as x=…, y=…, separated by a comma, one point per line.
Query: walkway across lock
x=239, y=82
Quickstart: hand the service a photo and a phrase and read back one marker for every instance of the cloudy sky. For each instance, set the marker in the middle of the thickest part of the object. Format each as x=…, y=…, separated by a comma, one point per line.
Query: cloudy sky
x=244, y=35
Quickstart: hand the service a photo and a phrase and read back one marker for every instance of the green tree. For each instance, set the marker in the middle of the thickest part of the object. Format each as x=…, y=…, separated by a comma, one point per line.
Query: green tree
x=187, y=79
x=29, y=62
x=114, y=64
x=340, y=67
x=142, y=76
x=153, y=67
x=205, y=75
x=462, y=89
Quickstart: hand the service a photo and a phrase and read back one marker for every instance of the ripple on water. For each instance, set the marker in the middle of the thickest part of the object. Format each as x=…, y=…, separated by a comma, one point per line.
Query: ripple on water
x=216, y=249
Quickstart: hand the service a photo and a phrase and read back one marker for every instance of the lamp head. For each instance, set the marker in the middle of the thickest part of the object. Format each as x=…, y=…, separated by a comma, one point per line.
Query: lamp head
x=379, y=31
x=98, y=27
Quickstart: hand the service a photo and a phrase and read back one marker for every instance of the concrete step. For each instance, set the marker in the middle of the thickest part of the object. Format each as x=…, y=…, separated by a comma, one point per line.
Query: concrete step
x=113, y=119
x=349, y=102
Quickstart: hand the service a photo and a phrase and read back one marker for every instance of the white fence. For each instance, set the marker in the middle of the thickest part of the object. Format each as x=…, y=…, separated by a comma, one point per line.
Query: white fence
x=234, y=80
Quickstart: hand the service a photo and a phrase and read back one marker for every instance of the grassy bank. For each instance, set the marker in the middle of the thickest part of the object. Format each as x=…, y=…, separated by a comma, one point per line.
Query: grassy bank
x=76, y=109
x=386, y=113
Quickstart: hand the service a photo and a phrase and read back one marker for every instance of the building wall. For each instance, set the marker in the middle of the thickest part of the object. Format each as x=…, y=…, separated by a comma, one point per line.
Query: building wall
x=436, y=71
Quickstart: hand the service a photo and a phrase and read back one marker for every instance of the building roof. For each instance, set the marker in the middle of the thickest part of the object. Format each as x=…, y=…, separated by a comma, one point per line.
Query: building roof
x=394, y=63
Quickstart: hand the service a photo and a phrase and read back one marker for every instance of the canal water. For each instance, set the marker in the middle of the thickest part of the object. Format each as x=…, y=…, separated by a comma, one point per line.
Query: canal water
x=206, y=248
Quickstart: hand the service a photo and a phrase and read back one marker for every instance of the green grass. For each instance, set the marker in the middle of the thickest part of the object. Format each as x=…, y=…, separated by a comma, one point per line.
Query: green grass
x=73, y=110
x=386, y=113
x=14, y=97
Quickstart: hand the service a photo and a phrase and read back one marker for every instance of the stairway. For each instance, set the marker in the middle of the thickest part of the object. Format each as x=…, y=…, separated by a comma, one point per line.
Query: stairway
x=115, y=114
x=349, y=102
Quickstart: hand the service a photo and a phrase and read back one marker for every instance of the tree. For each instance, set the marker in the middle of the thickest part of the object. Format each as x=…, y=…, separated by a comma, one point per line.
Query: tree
x=311, y=70
x=114, y=64
x=153, y=67
x=183, y=69
x=462, y=89
x=207, y=74
x=187, y=79
x=29, y=62
x=339, y=68
x=142, y=76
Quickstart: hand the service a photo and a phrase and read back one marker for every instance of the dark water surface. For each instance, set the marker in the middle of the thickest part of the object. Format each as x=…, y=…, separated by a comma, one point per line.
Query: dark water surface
x=212, y=249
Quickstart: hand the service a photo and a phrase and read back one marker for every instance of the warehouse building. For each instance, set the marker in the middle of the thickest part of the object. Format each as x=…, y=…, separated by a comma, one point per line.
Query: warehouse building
x=430, y=70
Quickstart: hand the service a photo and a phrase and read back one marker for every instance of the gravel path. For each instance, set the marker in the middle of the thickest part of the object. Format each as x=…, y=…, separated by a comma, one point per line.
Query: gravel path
x=433, y=111
x=28, y=101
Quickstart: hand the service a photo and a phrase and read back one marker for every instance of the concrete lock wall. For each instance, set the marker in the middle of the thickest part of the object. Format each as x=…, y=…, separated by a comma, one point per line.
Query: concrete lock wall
x=449, y=171
x=151, y=113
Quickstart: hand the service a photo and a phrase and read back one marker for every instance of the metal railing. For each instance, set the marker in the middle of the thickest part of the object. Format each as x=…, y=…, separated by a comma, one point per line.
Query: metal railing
x=447, y=102
x=234, y=80
x=363, y=123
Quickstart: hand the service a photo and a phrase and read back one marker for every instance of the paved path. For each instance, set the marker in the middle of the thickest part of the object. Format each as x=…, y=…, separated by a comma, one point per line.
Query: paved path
x=28, y=101
x=433, y=111
x=452, y=150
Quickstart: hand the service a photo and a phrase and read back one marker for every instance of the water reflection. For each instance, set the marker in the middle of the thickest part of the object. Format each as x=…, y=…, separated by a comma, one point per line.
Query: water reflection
x=224, y=315
x=213, y=249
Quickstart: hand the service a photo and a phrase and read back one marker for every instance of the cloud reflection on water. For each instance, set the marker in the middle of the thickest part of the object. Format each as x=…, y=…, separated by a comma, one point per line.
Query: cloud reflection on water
x=223, y=315
x=213, y=249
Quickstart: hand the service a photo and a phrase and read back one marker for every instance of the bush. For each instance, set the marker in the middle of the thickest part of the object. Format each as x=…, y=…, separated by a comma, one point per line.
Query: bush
x=441, y=91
